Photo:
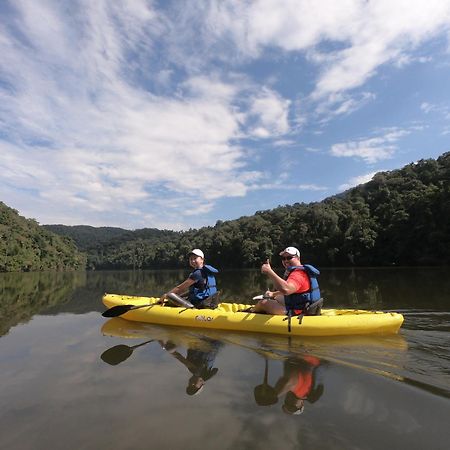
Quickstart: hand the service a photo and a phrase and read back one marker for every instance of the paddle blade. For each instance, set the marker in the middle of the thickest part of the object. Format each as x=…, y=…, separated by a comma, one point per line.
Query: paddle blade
x=116, y=311
x=117, y=354
x=265, y=395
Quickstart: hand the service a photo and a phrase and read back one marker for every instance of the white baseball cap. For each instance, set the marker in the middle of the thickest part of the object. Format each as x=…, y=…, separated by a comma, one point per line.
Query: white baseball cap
x=293, y=251
x=197, y=252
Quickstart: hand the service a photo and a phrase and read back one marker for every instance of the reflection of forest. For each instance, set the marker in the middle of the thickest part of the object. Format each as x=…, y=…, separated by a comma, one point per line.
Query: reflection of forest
x=25, y=294
x=387, y=288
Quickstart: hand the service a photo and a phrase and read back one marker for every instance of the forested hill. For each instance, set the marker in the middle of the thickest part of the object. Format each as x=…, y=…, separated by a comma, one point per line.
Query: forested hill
x=401, y=217
x=86, y=236
x=26, y=246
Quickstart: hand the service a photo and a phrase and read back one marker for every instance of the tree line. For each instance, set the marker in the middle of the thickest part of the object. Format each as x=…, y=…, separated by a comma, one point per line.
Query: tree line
x=400, y=217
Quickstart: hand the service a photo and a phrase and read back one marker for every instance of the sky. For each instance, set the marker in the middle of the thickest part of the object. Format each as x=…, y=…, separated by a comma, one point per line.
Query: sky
x=177, y=114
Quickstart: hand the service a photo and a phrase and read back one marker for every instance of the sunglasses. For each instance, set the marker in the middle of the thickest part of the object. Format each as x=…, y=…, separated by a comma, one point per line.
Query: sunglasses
x=287, y=258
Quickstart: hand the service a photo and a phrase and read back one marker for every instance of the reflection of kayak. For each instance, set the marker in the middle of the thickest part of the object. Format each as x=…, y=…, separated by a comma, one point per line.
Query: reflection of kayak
x=126, y=329
x=380, y=354
x=228, y=316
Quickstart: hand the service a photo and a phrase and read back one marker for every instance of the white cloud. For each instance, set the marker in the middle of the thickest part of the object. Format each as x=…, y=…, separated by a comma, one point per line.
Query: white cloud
x=440, y=109
x=383, y=31
x=285, y=143
x=110, y=107
x=82, y=135
x=371, y=150
x=337, y=104
x=270, y=112
x=280, y=185
x=355, y=181
x=349, y=39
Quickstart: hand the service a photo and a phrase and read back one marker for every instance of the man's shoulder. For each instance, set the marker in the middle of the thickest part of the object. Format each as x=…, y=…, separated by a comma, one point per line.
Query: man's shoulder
x=298, y=273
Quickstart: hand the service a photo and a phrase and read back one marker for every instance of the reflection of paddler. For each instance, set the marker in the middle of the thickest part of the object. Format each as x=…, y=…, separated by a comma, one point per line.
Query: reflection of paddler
x=199, y=362
x=299, y=384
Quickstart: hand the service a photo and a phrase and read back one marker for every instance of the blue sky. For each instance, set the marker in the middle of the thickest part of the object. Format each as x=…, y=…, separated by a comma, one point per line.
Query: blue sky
x=176, y=114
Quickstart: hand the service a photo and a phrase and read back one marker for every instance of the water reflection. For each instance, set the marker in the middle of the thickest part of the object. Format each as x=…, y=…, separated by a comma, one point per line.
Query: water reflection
x=25, y=294
x=303, y=359
x=119, y=353
x=198, y=360
x=297, y=384
x=378, y=391
x=200, y=351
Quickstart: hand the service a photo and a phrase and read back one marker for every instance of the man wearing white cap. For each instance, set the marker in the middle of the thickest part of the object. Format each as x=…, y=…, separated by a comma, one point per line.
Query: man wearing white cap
x=201, y=282
x=295, y=292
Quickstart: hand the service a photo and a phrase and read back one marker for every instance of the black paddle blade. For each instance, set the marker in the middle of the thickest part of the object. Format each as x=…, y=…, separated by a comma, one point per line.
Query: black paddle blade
x=116, y=311
x=265, y=394
x=117, y=354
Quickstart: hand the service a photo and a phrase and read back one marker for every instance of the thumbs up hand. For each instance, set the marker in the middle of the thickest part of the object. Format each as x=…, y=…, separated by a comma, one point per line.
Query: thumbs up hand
x=266, y=267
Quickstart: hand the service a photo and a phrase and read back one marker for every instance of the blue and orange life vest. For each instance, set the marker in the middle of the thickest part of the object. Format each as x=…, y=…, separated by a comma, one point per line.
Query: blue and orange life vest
x=301, y=300
x=200, y=291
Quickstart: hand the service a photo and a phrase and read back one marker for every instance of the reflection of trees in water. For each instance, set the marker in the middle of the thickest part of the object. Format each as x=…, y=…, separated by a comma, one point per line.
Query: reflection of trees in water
x=147, y=283
x=386, y=288
x=26, y=294
x=238, y=285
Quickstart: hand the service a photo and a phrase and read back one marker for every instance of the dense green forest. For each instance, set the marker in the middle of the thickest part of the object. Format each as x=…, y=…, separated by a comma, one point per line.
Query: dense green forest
x=400, y=217
x=26, y=246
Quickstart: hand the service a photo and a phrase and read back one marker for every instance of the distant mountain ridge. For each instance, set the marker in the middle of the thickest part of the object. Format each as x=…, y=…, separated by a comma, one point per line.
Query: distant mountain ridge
x=400, y=217
x=86, y=236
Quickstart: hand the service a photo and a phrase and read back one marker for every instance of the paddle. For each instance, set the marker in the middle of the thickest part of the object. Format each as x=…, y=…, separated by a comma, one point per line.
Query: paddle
x=118, y=310
x=119, y=353
x=265, y=395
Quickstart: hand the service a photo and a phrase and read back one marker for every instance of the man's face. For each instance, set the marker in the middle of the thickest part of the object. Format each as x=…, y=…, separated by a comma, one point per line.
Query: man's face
x=289, y=260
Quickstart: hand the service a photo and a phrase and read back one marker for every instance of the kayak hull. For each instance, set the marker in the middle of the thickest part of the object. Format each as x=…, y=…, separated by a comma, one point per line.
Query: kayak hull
x=228, y=316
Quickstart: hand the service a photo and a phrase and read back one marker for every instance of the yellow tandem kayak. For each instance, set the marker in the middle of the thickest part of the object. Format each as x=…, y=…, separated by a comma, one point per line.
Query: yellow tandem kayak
x=228, y=316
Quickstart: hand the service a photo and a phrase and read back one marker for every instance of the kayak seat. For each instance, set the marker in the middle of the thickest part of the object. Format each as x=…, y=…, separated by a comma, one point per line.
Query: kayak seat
x=314, y=309
x=210, y=302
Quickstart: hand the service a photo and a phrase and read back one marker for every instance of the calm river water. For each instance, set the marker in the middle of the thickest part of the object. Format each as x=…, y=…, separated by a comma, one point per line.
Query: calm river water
x=65, y=383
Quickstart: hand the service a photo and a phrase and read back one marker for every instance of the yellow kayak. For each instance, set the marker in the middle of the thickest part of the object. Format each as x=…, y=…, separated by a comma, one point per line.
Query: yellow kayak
x=229, y=316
